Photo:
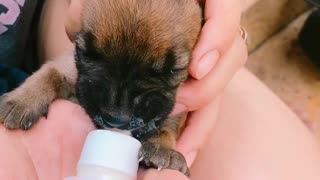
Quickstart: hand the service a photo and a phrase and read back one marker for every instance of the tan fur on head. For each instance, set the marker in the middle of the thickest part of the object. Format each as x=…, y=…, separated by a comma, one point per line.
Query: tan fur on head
x=154, y=24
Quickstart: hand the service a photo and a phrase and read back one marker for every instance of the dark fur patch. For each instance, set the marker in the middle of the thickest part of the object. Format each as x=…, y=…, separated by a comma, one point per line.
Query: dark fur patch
x=132, y=55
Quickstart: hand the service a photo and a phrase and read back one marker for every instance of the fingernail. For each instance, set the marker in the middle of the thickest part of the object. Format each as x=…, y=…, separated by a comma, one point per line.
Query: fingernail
x=206, y=63
x=179, y=108
x=190, y=157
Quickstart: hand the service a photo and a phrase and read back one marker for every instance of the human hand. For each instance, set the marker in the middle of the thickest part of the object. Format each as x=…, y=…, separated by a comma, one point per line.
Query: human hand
x=210, y=74
x=50, y=150
x=217, y=56
x=200, y=123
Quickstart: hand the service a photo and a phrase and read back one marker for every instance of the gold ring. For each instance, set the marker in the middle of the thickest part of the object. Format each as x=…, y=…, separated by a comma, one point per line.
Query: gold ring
x=243, y=33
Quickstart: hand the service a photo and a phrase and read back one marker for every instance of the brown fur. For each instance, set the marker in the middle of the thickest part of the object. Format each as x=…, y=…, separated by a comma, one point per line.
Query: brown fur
x=147, y=21
x=170, y=131
x=140, y=28
x=158, y=150
x=26, y=104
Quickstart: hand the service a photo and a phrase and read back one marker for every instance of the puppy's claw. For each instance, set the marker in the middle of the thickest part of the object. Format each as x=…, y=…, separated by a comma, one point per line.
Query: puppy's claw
x=160, y=158
x=141, y=158
x=16, y=113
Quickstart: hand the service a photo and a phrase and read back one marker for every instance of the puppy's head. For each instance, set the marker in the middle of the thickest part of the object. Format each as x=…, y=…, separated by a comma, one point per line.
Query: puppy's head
x=132, y=55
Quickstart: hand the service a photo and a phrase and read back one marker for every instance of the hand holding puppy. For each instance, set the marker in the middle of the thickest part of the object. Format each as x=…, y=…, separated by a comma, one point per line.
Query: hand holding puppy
x=222, y=72
x=217, y=56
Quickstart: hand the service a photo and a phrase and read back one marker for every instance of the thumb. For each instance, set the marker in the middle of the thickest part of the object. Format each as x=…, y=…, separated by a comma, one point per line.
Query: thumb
x=199, y=127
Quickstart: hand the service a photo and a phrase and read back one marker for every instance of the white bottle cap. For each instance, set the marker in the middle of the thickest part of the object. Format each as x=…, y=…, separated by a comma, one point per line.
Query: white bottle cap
x=112, y=150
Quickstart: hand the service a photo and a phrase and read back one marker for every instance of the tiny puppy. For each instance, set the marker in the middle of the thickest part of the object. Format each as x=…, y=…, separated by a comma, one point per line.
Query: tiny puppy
x=130, y=58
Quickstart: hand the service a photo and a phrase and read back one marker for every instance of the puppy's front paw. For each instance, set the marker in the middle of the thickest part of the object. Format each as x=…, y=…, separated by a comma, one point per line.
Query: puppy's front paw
x=20, y=111
x=156, y=156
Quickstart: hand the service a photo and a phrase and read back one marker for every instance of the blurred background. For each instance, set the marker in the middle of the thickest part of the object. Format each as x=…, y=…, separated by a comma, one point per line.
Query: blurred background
x=284, y=47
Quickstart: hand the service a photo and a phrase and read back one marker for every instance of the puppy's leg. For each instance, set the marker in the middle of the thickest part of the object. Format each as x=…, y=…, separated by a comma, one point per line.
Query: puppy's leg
x=22, y=107
x=158, y=151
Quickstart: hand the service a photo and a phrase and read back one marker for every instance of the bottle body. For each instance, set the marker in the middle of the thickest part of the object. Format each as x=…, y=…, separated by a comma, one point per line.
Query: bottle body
x=108, y=155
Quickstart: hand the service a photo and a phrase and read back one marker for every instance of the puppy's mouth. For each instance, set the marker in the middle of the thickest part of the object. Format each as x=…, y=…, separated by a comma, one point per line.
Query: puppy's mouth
x=138, y=128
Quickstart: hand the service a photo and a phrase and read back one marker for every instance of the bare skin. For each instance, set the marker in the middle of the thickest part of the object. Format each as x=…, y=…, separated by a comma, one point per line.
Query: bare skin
x=252, y=142
x=255, y=135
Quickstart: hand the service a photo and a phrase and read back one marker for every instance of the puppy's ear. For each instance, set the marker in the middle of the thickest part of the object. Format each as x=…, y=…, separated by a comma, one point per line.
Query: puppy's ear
x=73, y=21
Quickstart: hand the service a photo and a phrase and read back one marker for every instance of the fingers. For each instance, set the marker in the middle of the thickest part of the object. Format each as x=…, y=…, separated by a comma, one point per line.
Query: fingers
x=199, y=127
x=73, y=20
x=15, y=158
x=197, y=93
x=222, y=19
x=57, y=139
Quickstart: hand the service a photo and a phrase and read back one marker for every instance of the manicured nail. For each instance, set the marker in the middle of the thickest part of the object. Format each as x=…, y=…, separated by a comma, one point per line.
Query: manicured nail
x=206, y=63
x=179, y=108
x=190, y=157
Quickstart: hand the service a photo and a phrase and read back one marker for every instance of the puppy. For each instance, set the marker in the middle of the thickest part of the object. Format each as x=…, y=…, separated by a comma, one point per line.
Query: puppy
x=130, y=58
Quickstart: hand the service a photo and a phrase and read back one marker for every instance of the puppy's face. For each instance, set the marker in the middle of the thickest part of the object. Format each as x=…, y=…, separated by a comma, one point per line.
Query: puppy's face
x=125, y=86
x=131, y=64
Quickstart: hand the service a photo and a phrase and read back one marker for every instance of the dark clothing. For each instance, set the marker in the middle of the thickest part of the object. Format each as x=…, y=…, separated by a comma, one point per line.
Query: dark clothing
x=18, y=48
x=10, y=78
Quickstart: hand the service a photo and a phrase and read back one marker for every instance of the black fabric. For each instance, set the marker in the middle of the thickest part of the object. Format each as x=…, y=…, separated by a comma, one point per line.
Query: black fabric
x=18, y=33
x=309, y=37
x=10, y=78
x=18, y=45
x=314, y=2
x=30, y=62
